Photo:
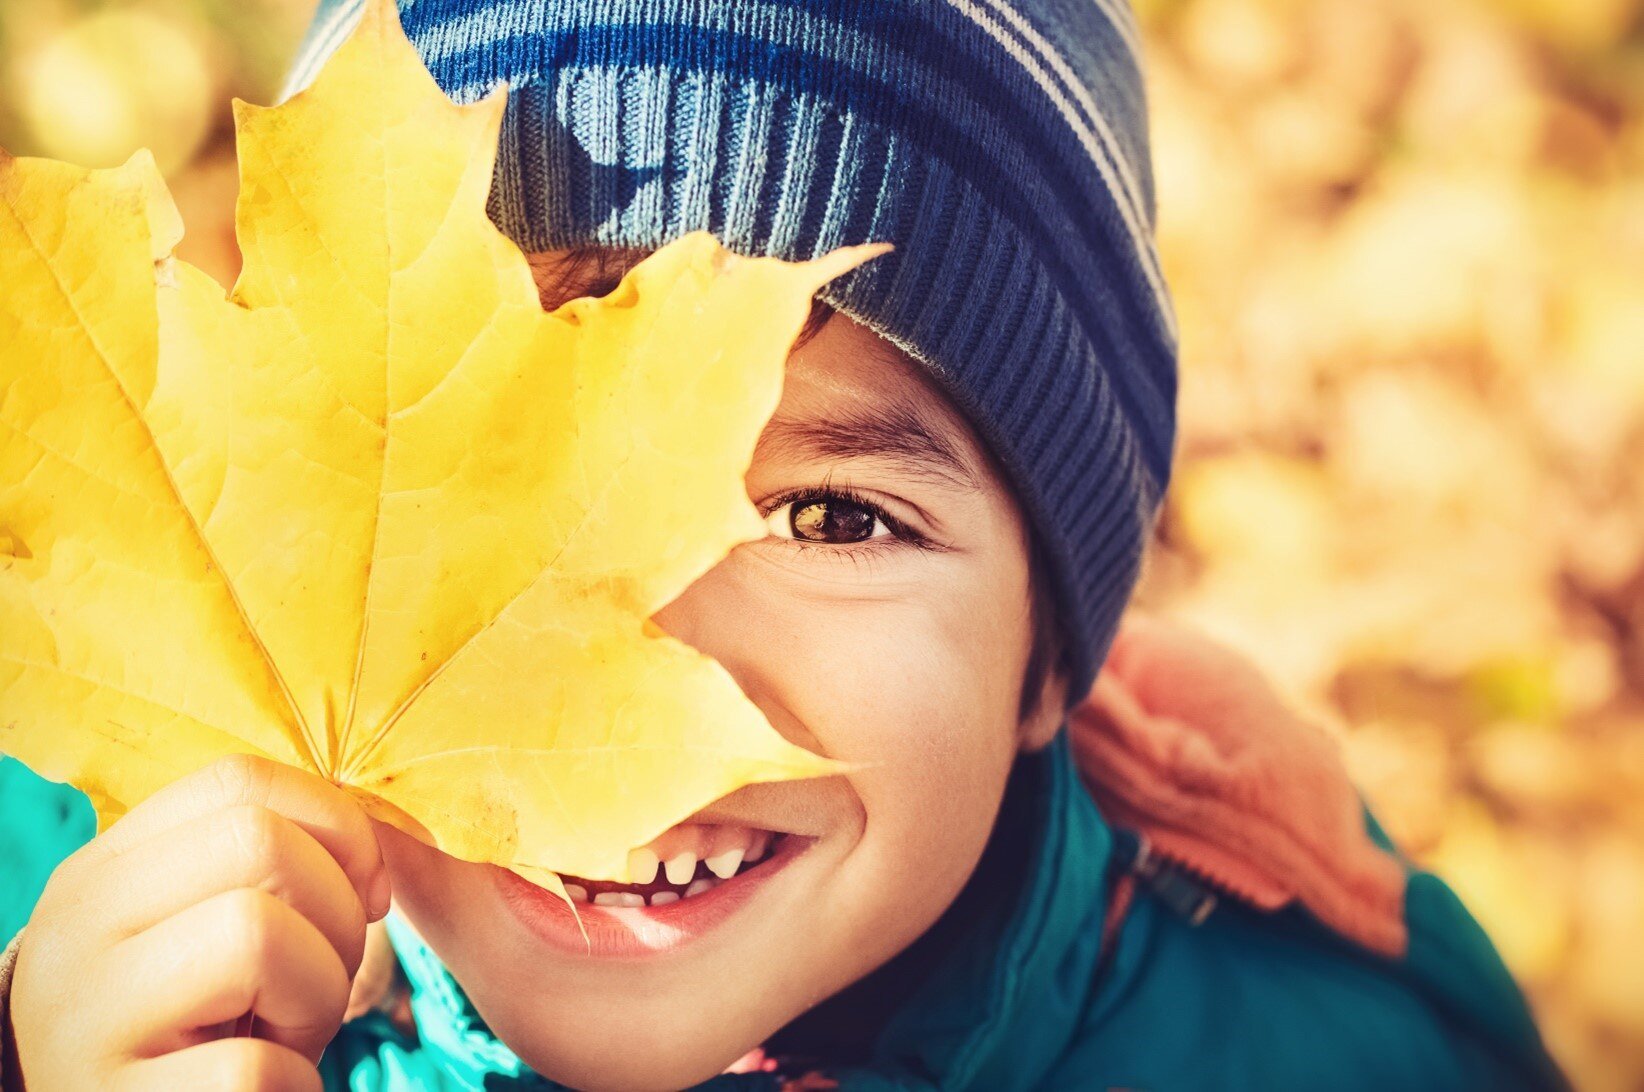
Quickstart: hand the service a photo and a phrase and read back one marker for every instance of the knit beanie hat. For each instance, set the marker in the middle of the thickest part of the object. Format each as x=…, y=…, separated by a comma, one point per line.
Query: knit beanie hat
x=1001, y=145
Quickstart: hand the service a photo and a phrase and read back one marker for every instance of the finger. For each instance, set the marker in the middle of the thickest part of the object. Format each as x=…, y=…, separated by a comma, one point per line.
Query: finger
x=226, y=1065
x=329, y=815
x=243, y=950
x=242, y=846
x=375, y=976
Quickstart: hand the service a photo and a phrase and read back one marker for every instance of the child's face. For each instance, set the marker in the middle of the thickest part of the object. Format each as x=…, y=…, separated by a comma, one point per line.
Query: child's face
x=897, y=643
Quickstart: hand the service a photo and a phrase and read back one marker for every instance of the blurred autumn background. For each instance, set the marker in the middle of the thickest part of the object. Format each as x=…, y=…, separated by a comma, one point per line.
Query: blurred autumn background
x=1406, y=239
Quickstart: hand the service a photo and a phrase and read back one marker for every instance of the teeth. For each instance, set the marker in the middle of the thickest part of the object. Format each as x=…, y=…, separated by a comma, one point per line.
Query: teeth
x=641, y=866
x=725, y=864
x=699, y=886
x=663, y=898
x=681, y=867
x=577, y=892
x=619, y=898
x=757, y=850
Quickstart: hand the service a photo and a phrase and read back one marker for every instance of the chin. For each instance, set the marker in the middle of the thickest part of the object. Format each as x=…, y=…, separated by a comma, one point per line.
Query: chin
x=661, y=993
x=737, y=922
x=642, y=1030
x=640, y=1063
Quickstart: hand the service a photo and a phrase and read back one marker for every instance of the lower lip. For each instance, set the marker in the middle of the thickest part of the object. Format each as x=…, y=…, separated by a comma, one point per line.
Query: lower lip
x=637, y=932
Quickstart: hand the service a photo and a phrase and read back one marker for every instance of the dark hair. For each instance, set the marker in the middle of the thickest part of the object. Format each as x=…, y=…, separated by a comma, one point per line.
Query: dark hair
x=1048, y=652
x=596, y=270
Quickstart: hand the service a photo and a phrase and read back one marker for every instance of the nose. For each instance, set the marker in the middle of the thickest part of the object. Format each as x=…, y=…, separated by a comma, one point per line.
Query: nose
x=720, y=620
x=681, y=618
x=721, y=616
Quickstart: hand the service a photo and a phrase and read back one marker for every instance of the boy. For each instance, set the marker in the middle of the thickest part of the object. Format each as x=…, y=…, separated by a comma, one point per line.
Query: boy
x=974, y=436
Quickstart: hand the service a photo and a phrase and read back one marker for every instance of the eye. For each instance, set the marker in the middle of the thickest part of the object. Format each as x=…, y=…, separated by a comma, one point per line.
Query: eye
x=830, y=518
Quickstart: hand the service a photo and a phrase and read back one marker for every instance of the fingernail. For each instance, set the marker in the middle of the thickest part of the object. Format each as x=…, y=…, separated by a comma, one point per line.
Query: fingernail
x=382, y=896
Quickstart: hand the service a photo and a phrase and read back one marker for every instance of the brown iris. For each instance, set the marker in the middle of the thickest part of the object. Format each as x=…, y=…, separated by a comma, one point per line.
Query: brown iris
x=833, y=521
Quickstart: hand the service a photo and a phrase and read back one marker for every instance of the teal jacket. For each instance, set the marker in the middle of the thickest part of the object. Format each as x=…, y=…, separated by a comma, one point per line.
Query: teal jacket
x=1014, y=989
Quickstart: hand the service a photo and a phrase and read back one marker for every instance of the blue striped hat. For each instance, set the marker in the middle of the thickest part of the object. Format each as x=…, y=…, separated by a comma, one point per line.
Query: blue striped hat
x=1001, y=145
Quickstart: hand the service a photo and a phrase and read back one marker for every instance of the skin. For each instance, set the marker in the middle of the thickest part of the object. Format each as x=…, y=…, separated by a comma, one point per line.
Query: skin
x=908, y=658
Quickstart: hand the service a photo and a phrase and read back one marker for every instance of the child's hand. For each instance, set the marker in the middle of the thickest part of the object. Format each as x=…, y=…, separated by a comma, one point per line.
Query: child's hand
x=245, y=887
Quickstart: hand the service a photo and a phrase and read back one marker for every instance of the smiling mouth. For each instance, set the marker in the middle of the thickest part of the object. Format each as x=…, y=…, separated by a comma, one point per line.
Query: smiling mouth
x=695, y=877
x=688, y=861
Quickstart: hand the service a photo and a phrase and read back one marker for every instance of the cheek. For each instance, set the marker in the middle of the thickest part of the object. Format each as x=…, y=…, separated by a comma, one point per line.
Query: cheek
x=926, y=714
x=921, y=687
x=936, y=741
x=431, y=887
x=873, y=671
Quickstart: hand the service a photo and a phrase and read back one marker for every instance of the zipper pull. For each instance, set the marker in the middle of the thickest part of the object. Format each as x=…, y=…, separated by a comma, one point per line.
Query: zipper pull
x=1172, y=885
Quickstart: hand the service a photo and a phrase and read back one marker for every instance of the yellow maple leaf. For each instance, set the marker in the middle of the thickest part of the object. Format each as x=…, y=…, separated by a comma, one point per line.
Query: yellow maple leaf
x=375, y=513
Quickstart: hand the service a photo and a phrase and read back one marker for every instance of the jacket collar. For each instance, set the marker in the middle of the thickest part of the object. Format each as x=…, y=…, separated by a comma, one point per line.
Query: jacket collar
x=994, y=1013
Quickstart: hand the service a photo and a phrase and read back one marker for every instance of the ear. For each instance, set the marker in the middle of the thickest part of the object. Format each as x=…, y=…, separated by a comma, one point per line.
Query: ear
x=1039, y=727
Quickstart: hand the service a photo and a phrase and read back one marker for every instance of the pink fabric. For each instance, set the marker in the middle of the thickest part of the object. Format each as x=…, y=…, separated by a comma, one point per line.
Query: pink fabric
x=1184, y=740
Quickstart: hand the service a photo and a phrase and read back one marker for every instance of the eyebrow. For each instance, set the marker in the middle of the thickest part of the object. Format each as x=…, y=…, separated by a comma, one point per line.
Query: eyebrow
x=895, y=433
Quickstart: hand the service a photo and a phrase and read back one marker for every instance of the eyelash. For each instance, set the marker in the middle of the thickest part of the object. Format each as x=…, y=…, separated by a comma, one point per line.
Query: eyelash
x=902, y=534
